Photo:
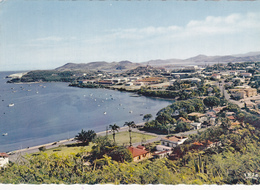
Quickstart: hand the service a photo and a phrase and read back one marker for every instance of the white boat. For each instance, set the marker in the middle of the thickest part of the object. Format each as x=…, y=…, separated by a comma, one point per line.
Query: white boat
x=5, y=134
x=131, y=111
x=11, y=105
x=105, y=113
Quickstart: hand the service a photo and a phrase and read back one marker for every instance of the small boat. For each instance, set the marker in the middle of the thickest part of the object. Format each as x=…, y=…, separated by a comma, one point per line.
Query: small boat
x=105, y=113
x=5, y=134
x=11, y=105
x=131, y=111
x=37, y=92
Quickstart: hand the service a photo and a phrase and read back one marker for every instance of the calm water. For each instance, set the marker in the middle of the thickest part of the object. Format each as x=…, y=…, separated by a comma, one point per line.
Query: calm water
x=48, y=112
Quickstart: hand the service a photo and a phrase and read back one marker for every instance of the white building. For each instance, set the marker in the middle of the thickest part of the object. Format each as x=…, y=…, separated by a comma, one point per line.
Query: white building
x=173, y=141
x=240, y=79
x=234, y=73
x=195, y=80
x=196, y=125
x=246, y=74
x=129, y=84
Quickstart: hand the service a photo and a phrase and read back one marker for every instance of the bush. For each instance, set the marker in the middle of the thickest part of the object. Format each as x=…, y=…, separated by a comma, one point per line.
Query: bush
x=42, y=148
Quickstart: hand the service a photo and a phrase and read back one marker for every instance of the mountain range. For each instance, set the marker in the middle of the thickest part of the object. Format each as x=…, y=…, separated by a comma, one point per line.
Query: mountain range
x=197, y=60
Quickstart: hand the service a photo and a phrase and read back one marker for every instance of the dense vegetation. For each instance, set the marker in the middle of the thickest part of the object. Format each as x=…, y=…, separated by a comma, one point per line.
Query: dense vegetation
x=54, y=76
x=165, y=120
x=236, y=161
x=183, y=92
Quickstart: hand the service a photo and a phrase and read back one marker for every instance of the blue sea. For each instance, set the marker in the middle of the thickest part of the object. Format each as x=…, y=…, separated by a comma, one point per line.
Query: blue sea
x=49, y=112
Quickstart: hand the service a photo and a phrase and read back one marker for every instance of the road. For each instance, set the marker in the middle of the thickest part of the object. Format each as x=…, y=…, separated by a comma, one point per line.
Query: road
x=19, y=153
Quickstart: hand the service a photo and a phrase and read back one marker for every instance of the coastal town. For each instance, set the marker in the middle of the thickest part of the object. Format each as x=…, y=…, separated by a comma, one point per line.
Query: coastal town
x=216, y=107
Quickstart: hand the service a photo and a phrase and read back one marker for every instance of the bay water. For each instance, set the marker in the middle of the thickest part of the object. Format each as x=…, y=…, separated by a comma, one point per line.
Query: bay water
x=37, y=113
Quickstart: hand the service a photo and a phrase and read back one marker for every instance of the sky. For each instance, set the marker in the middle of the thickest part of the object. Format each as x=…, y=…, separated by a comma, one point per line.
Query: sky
x=45, y=34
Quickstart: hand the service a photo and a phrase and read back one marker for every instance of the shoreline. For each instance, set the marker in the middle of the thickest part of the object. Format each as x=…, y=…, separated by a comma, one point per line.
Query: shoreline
x=60, y=142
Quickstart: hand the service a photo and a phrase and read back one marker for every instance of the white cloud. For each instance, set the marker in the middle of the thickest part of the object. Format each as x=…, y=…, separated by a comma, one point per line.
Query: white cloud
x=211, y=25
x=48, y=39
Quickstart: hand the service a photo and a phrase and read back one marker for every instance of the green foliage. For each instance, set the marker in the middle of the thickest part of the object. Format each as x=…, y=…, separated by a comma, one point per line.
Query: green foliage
x=42, y=148
x=182, y=127
x=234, y=162
x=147, y=117
x=211, y=101
x=121, y=154
x=114, y=128
x=102, y=146
x=86, y=136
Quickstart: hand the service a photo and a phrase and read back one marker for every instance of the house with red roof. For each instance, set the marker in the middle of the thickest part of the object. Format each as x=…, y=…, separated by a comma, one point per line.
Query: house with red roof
x=139, y=153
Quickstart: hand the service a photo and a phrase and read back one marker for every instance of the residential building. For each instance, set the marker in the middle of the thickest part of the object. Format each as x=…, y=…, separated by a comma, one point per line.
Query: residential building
x=151, y=80
x=193, y=80
x=234, y=73
x=201, y=117
x=129, y=84
x=106, y=82
x=238, y=79
x=196, y=125
x=246, y=74
x=139, y=153
x=173, y=141
x=216, y=76
x=176, y=113
x=163, y=148
x=162, y=154
x=205, y=144
x=243, y=92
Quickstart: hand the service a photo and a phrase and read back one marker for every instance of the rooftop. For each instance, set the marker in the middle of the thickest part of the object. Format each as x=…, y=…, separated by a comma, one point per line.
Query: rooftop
x=3, y=154
x=136, y=151
x=174, y=138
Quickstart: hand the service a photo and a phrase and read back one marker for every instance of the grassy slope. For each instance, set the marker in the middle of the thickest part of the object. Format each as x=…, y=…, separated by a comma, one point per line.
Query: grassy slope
x=122, y=138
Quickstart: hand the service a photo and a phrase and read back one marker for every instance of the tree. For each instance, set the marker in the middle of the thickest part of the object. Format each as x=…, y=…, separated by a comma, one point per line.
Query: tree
x=130, y=124
x=211, y=101
x=114, y=128
x=103, y=145
x=121, y=154
x=86, y=136
x=182, y=127
x=164, y=118
x=147, y=117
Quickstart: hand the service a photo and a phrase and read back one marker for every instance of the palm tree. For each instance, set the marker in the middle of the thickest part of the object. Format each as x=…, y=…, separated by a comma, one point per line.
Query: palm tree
x=130, y=124
x=114, y=128
x=86, y=136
